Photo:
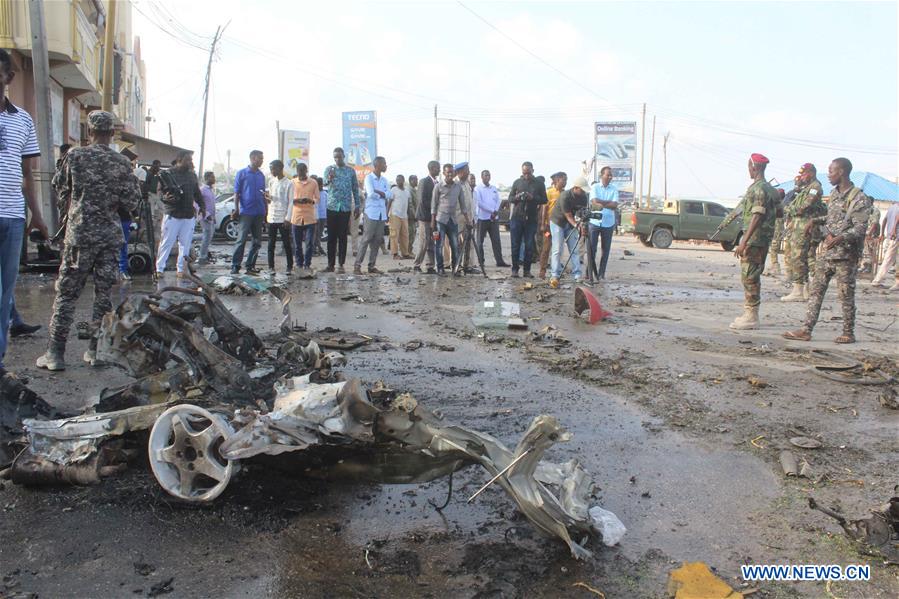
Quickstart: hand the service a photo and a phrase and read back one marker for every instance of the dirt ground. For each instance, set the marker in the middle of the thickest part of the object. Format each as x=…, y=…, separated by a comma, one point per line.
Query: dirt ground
x=679, y=420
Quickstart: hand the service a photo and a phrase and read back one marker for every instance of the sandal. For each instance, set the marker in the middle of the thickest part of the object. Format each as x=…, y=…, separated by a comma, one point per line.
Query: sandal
x=845, y=339
x=799, y=335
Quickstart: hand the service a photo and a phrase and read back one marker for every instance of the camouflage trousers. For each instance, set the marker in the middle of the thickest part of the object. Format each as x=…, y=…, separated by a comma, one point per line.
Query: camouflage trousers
x=776, y=243
x=77, y=264
x=752, y=264
x=798, y=258
x=868, y=255
x=844, y=271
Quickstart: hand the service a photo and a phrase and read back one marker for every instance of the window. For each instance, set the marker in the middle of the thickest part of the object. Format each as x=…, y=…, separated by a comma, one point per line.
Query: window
x=693, y=208
x=717, y=210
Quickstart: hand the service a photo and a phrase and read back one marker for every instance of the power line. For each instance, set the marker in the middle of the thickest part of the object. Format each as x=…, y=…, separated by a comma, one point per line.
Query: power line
x=167, y=32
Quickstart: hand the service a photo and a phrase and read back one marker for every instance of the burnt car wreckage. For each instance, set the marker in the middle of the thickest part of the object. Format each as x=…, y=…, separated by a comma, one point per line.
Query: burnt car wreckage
x=212, y=393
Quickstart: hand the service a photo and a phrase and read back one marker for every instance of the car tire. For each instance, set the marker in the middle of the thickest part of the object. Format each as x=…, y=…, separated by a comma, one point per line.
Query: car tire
x=727, y=246
x=231, y=229
x=662, y=238
x=644, y=240
x=138, y=263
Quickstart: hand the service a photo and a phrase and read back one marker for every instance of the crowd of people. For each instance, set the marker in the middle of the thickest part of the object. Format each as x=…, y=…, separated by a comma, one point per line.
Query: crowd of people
x=447, y=214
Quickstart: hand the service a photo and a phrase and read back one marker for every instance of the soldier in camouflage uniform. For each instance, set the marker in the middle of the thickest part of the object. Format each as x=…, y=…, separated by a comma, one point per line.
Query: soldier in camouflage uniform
x=871, y=240
x=776, y=247
x=845, y=226
x=758, y=209
x=806, y=205
x=94, y=182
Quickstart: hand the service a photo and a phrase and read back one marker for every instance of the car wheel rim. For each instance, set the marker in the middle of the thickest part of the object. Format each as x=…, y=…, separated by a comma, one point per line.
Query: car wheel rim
x=184, y=453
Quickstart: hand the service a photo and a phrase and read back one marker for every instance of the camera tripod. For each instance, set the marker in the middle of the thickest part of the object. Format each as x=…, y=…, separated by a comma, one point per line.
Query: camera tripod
x=591, y=258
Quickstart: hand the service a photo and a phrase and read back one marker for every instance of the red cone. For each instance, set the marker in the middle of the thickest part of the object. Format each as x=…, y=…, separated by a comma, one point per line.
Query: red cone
x=584, y=299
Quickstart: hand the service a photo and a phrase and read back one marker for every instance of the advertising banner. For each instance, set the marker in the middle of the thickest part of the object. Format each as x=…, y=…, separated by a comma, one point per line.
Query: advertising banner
x=616, y=147
x=360, y=140
x=294, y=150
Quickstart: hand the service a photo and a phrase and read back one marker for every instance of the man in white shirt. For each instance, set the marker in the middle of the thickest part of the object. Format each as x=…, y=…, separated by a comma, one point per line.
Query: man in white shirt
x=398, y=209
x=280, y=203
x=486, y=198
x=377, y=194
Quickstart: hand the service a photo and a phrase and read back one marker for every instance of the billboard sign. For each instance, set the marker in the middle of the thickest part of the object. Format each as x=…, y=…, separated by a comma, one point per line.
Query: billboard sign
x=615, y=146
x=294, y=149
x=360, y=140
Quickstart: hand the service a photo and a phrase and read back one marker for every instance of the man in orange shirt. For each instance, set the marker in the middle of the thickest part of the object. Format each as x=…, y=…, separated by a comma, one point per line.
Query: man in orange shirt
x=559, y=181
x=303, y=218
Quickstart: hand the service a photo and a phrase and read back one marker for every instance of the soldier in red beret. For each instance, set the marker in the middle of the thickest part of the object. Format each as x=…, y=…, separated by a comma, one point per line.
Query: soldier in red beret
x=759, y=210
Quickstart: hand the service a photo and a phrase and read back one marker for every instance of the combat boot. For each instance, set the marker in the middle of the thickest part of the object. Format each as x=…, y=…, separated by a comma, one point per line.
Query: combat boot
x=54, y=359
x=797, y=295
x=748, y=320
x=775, y=269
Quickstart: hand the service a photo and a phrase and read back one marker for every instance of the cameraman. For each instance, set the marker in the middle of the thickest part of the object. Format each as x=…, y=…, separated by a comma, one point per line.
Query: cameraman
x=562, y=224
x=526, y=196
x=181, y=191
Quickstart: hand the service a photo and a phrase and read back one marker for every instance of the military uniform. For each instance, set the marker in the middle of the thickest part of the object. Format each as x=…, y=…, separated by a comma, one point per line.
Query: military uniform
x=847, y=217
x=806, y=206
x=762, y=199
x=871, y=240
x=94, y=182
x=776, y=246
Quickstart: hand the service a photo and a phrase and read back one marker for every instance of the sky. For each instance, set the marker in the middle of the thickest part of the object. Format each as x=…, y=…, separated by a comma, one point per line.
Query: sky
x=796, y=81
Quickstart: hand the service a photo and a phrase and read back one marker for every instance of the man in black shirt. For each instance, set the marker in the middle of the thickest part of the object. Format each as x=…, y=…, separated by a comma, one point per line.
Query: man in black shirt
x=181, y=191
x=527, y=195
x=423, y=216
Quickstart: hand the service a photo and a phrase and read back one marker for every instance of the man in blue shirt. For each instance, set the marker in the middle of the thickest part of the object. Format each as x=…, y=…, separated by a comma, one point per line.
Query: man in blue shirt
x=377, y=192
x=603, y=196
x=249, y=210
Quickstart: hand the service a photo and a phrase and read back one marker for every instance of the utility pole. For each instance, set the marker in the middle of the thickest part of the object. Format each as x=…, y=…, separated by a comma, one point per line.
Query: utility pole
x=171, y=143
x=436, y=137
x=642, y=144
x=109, y=57
x=218, y=32
x=44, y=121
x=228, y=154
x=280, y=147
x=652, y=147
x=665, y=156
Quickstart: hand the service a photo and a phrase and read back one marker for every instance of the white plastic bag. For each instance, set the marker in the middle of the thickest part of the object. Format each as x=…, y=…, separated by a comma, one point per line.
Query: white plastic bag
x=608, y=525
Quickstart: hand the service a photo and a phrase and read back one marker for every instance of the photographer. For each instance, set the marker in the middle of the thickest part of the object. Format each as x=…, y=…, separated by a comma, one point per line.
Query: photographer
x=526, y=196
x=180, y=192
x=562, y=225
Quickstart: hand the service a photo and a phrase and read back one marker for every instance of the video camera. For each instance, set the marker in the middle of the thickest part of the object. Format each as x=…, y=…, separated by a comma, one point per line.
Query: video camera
x=585, y=214
x=170, y=185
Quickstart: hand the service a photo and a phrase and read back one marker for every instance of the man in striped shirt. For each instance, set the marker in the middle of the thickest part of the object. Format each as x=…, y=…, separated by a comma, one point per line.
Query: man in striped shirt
x=18, y=147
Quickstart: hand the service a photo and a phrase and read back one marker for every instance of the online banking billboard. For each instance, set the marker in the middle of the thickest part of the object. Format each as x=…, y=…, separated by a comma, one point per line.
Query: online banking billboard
x=616, y=147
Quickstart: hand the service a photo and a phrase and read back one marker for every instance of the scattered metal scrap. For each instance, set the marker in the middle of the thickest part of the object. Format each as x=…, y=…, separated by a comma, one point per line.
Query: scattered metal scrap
x=877, y=533
x=212, y=393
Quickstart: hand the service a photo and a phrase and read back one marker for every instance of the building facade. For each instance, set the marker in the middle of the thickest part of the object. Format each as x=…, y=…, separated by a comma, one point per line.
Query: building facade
x=76, y=33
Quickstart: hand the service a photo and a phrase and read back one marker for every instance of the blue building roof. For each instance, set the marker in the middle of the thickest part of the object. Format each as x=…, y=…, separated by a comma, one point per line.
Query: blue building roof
x=875, y=186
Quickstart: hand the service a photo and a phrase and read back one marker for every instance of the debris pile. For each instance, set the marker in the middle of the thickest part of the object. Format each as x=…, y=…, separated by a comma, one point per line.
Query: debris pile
x=212, y=393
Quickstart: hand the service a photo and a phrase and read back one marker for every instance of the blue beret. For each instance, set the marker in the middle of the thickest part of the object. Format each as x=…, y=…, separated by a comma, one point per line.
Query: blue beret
x=460, y=166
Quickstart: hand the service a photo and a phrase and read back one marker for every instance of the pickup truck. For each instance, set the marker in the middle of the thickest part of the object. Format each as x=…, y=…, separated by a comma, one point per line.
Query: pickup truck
x=684, y=220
